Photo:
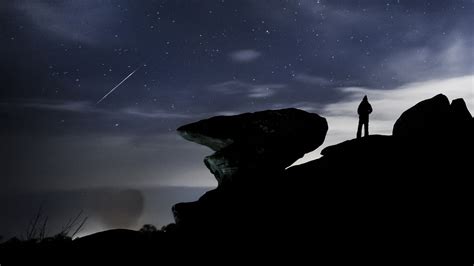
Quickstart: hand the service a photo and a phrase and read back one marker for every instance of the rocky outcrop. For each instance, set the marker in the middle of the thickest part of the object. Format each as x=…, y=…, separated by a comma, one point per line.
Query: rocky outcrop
x=425, y=118
x=461, y=120
x=377, y=188
x=390, y=189
x=260, y=142
x=252, y=151
x=459, y=112
x=433, y=118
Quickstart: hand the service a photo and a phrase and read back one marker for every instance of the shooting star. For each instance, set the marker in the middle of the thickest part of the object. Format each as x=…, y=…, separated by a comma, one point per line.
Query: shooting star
x=118, y=85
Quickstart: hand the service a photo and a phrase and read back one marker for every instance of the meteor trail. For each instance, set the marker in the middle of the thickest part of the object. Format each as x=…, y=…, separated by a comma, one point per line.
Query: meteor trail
x=118, y=85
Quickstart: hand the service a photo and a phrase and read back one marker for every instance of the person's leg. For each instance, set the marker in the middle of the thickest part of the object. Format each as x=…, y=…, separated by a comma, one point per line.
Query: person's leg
x=366, y=127
x=359, y=129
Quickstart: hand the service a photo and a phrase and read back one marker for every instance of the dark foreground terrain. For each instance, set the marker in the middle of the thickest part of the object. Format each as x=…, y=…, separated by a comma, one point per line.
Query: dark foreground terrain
x=396, y=194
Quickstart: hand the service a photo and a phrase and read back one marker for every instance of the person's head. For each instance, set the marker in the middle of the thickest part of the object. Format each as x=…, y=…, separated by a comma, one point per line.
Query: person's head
x=365, y=98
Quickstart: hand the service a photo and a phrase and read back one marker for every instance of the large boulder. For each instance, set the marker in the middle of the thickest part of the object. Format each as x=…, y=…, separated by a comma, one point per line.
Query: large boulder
x=250, y=143
x=426, y=118
x=462, y=123
x=459, y=111
x=434, y=118
x=252, y=151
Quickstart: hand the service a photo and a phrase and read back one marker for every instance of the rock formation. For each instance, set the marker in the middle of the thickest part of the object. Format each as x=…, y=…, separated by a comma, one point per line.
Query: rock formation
x=376, y=187
x=267, y=141
x=251, y=150
x=433, y=117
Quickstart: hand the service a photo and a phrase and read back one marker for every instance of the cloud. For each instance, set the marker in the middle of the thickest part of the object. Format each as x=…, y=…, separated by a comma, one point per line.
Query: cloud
x=244, y=56
x=84, y=107
x=452, y=57
x=388, y=105
x=117, y=208
x=237, y=87
x=311, y=107
x=69, y=106
x=312, y=80
x=154, y=114
x=71, y=20
x=261, y=92
x=230, y=87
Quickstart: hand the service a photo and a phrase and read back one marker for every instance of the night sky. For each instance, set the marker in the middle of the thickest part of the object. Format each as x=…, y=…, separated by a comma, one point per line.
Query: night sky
x=194, y=59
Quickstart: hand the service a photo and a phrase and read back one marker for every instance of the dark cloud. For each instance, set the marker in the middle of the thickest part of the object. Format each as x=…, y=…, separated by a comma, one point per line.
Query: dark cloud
x=244, y=56
x=117, y=208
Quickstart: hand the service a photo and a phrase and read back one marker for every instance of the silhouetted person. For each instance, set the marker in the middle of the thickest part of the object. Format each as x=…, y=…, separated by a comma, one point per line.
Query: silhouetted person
x=364, y=110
